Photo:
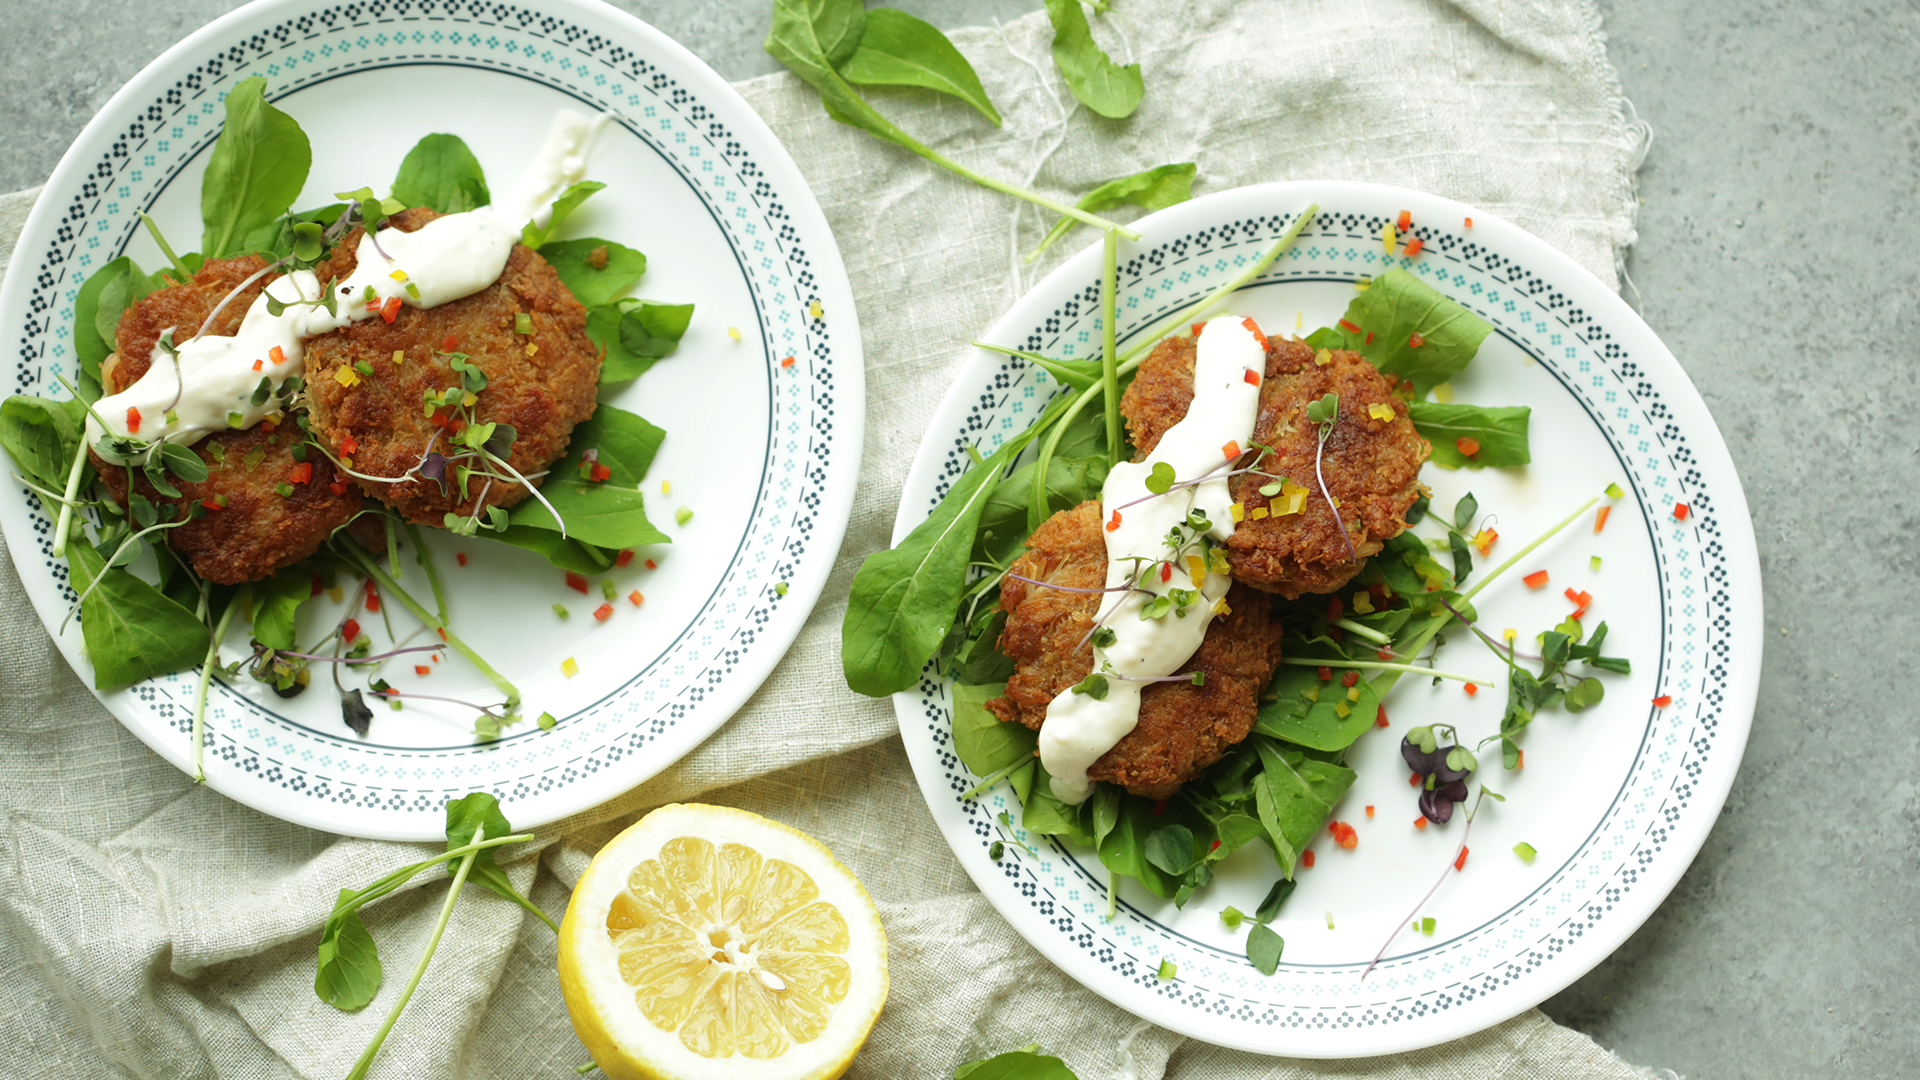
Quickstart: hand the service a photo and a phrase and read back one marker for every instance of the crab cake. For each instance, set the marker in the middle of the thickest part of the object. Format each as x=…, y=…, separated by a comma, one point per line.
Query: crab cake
x=1183, y=728
x=541, y=383
x=258, y=530
x=1371, y=465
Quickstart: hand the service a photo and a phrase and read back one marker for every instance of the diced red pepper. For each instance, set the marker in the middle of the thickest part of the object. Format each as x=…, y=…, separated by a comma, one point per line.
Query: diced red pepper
x=624, y=557
x=1159, y=808
x=1461, y=862
x=1197, y=327
x=1349, y=678
x=301, y=472
x=1334, y=609
x=1415, y=340
x=576, y=583
x=1663, y=700
x=651, y=565
x=1520, y=760
x=635, y=598
x=601, y=472
x=1380, y=718
x=277, y=354
x=1473, y=689
x=1680, y=511
x=1369, y=812
x=442, y=631
x=1166, y=571
x=349, y=444
x=1406, y=220
x=1113, y=522
x=267, y=426
x=1535, y=579
x=1254, y=328
x=1252, y=377
x=1231, y=448
x=350, y=631
x=339, y=486
x=1306, y=860
x=422, y=669
x=133, y=420
x=1215, y=847
x=1413, y=247
x=460, y=557
x=788, y=362
x=1325, y=673
x=1467, y=445
x=1414, y=780
x=450, y=344
x=1384, y=654
x=1349, y=327
x=390, y=310
x=258, y=364
x=1369, y=340
x=603, y=612
x=1600, y=519
x=1420, y=822
x=1469, y=223
x=210, y=503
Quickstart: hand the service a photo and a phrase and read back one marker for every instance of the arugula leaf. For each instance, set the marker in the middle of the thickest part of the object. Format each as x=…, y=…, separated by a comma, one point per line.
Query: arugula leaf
x=1152, y=189
x=440, y=173
x=1171, y=849
x=43, y=435
x=1392, y=310
x=1104, y=86
x=277, y=603
x=563, y=207
x=257, y=169
x=96, y=315
x=984, y=742
x=1042, y=813
x=635, y=334
x=897, y=49
x=476, y=810
x=1316, y=724
x=1017, y=1065
x=132, y=630
x=349, y=971
x=595, y=276
x=1122, y=846
x=1294, y=794
x=563, y=552
x=610, y=513
x=1264, y=948
x=1500, y=431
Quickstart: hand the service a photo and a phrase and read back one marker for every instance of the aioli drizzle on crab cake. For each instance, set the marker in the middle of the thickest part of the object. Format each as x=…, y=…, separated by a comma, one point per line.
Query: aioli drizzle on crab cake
x=1198, y=403
x=431, y=278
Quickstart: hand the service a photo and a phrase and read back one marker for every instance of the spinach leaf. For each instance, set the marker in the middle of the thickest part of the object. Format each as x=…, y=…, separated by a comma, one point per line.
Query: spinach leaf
x=440, y=173
x=43, y=436
x=610, y=513
x=1003, y=521
x=96, y=316
x=119, y=293
x=1042, y=813
x=275, y=240
x=1315, y=724
x=349, y=970
x=1294, y=794
x=812, y=37
x=277, y=603
x=132, y=630
x=475, y=810
x=1123, y=847
x=1106, y=87
x=1153, y=189
x=971, y=652
x=1171, y=849
x=256, y=171
x=1395, y=307
x=1269, y=908
x=897, y=49
x=1264, y=948
x=1018, y=1065
x=563, y=207
x=1500, y=431
x=563, y=552
x=984, y=742
x=904, y=599
x=595, y=270
x=634, y=334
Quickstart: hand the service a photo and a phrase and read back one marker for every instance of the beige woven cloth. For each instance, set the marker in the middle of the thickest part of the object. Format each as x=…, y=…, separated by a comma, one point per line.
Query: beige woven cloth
x=150, y=928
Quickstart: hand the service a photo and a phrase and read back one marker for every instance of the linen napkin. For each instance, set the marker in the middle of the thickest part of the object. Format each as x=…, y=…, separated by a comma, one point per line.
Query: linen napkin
x=150, y=928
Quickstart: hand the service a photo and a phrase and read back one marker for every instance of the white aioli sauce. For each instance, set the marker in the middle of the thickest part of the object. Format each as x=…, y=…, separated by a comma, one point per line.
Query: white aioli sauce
x=1079, y=728
x=453, y=256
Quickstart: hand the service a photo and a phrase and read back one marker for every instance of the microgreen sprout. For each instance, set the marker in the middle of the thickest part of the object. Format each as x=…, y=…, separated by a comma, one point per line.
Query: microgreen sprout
x=1324, y=414
x=1472, y=812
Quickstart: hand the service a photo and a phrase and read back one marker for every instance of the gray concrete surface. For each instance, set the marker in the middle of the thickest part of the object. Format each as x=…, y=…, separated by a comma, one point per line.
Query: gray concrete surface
x=1779, y=258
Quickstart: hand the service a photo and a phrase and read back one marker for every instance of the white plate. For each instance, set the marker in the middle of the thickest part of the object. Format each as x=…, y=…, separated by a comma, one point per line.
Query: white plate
x=1617, y=799
x=765, y=455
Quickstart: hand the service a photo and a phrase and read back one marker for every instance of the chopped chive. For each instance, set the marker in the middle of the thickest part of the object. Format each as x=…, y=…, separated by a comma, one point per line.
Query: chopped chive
x=683, y=515
x=546, y=721
x=1425, y=925
x=1233, y=917
x=560, y=610
x=363, y=367
x=1525, y=851
x=172, y=417
x=606, y=588
x=236, y=419
x=1329, y=920
x=780, y=589
x=1614, y=492
x=217, y=450
x=1594, y=562
x=413, y=290
x=522, y=323
x=1168, y=969
x=283, y=489
x=254, y=457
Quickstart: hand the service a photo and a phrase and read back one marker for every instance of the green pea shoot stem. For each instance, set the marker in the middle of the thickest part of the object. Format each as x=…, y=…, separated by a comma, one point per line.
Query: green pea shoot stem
x=179, y=267
x=390, y=587
x=1381, y=665
x=66, y=504
x=1109, y=357
x=446, y=912
x=1525, y=551
x=425, y=558
x=200, y=693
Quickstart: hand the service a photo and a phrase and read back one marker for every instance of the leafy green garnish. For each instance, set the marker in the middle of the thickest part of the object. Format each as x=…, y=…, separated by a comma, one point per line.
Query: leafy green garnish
x=1152, y=189
x=1394, y=308
x=440, y=173
x=1104, y=86
x=1500, y=431
x=563, y=207
x=133, y=631
x=606, y=514
x=1027, y=1064
x=985, y=744
x=635, y=333
x=276, y=603
x=1264, y=948
x=896, y=49
x=257, y=169
x=594, y=270
x=42, y=435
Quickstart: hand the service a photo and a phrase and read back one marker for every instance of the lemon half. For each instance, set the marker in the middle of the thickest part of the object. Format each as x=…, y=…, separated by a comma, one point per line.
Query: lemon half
x=708, y=943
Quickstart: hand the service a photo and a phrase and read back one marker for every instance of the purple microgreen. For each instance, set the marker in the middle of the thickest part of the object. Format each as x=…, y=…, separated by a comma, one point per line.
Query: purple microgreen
x=353, y=709
x=1325, y=413
x=1067, y=588
x=357, y=659
x=207, y=323
x=1451, y=861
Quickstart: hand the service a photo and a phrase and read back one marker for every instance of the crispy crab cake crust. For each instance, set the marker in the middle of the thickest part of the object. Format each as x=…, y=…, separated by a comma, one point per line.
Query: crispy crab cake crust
x=258, y=531
x=542, y=394
x=1371, y=466
x=1183, y=728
